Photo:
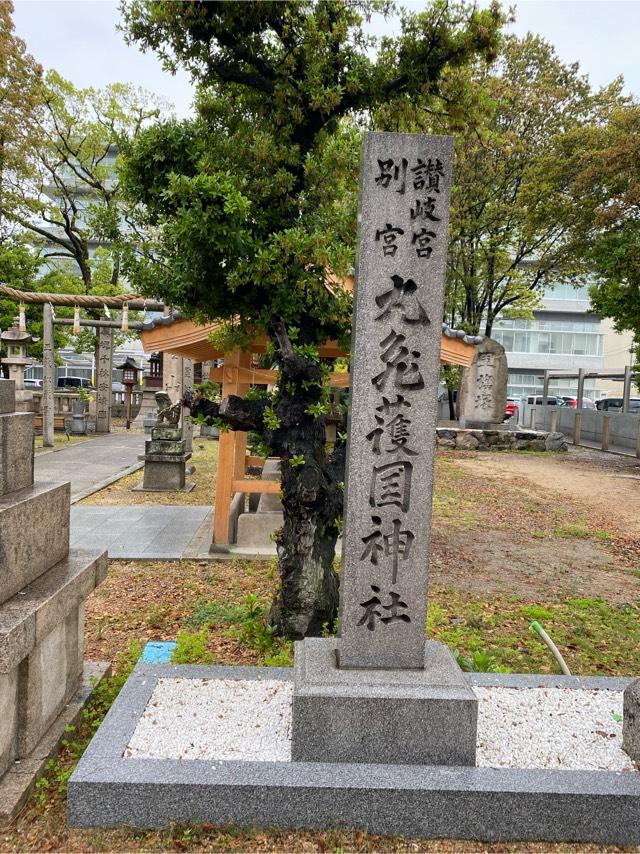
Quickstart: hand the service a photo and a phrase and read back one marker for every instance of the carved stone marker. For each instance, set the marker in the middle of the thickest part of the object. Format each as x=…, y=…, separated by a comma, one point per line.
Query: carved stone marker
x=381, y=694
x=483, y=393
x=103, y=380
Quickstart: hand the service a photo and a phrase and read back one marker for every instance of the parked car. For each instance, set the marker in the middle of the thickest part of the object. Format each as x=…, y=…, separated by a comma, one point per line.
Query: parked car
x=512, y=408
x=74, y=382
x=587, y=403
x=551, y=400
x=29, y=383
x=614, y=404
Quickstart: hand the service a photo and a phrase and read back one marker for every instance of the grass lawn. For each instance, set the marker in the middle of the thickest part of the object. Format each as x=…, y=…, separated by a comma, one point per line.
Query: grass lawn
x=506, y=551
x=205, y=460
x=61, y=440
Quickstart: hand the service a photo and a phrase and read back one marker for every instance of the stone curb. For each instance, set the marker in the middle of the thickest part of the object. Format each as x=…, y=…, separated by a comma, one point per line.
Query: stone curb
x=489, y=804
x=106, y=482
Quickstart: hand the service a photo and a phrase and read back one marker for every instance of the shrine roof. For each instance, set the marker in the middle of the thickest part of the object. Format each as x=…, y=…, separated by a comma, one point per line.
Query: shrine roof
x=178, y=335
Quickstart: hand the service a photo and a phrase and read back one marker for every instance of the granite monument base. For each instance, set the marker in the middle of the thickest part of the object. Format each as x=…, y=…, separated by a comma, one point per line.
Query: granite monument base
x=108, y=789
x=19, y=781
x=414, y=717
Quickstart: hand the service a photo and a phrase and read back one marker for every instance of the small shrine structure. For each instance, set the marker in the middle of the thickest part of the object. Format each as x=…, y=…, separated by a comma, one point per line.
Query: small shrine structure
x=177, y=336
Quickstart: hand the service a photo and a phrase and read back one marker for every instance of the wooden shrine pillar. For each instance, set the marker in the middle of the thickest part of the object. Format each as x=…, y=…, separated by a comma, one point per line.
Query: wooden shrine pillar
x=232, y=447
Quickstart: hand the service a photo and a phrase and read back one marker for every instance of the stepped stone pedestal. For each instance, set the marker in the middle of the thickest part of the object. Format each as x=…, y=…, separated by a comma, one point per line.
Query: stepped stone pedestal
x=43, y=587
x=165, y=460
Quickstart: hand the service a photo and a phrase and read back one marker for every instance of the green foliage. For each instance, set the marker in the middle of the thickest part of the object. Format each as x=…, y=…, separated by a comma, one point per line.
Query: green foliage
x=191, y=648
x=521, y=130
x=296, y=460
x=480, y=661
x=254, y=202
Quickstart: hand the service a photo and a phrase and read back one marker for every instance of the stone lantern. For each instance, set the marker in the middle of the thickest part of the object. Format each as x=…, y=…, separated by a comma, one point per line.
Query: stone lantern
x=129, y=379
x=16, y=360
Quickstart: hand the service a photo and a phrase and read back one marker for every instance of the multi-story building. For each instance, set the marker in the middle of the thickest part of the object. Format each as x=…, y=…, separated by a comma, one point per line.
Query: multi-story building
x=564, y=334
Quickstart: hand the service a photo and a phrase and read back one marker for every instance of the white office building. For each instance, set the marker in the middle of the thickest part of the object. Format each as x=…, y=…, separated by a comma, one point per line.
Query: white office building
x=563, y=335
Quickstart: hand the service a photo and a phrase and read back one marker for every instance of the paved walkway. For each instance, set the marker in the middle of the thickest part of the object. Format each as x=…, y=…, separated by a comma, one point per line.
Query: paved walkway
x=92, y=464
x=135, y=531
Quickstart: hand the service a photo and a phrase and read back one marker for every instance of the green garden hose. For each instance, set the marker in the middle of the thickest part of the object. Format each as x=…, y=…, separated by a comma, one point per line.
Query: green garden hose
x=554, y=649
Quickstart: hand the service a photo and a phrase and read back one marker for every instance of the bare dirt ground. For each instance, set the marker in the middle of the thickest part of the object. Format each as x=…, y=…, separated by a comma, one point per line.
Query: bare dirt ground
x=538, y=526
x=608, y=483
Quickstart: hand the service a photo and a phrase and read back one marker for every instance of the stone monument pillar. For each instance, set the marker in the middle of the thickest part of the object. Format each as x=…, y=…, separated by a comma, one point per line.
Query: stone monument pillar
x=380, y=693
x=178, y=378
x=483, y=391
x=104, y=384
x=43, y=587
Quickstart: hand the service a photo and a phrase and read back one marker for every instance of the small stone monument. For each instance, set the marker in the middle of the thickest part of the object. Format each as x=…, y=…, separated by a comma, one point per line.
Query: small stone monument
x=43, y=588
x=380, y=693
x=631, y=721
x=165, y=453
x=483, y=392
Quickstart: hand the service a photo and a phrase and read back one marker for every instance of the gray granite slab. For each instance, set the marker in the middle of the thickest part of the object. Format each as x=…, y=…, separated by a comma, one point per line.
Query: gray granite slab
x=16, y=451
x=631, y=720
x=107, y=790
x=34, y=534
x=395, y=362
x=7, y=396
x=413, y=717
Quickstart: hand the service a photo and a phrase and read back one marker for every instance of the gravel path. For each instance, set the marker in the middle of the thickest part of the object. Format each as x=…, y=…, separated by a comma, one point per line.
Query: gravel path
x=251, y=720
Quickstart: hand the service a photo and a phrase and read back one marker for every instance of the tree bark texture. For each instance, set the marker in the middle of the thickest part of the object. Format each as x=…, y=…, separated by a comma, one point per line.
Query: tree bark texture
x=312, y=480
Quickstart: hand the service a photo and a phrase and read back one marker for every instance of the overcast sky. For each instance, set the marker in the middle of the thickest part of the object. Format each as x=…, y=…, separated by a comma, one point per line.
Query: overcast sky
x=79, y=39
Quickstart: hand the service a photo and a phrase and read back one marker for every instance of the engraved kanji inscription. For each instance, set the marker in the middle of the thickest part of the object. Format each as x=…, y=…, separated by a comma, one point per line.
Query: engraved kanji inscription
x=425, y=209
x=427, y=174
x=421, y=240
x=402, y=299
x=393, y=171
x=395, y=543
x=374, y=610
x=401, y=365
x=393, y=427
x=389, y=236
x=391, y=485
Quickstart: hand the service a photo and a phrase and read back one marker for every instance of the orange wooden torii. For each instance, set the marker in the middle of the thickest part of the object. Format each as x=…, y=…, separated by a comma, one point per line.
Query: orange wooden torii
x=178, y=336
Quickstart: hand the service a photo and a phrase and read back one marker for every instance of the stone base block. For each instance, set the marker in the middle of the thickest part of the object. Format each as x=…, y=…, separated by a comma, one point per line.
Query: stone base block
x=173, y=434
x=16, y=452
x=165, y=447
x=34, y=534
x=108, y=789
x=256, y=529
x=400, y=717
x=8, y=718
x=28, y=618
x=164, y=475
x=7, y=396
x=19, y=781
x=41, y=651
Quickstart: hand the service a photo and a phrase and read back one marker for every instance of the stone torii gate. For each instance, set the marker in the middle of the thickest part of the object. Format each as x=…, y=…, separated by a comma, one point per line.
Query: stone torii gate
x=105, y=345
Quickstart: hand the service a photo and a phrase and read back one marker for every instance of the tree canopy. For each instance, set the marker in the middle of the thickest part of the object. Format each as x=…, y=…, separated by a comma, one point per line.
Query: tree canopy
x=515, y=224
x=608, y=180
x=251, y=207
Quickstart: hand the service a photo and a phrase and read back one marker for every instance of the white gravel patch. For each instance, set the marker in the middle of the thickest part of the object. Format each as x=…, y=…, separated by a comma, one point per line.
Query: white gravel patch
x=216, y=719
x=550, y=728
x=251, y=720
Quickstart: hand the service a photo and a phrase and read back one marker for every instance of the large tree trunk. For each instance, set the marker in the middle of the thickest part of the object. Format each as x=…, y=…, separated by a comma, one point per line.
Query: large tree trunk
x=312, y=488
